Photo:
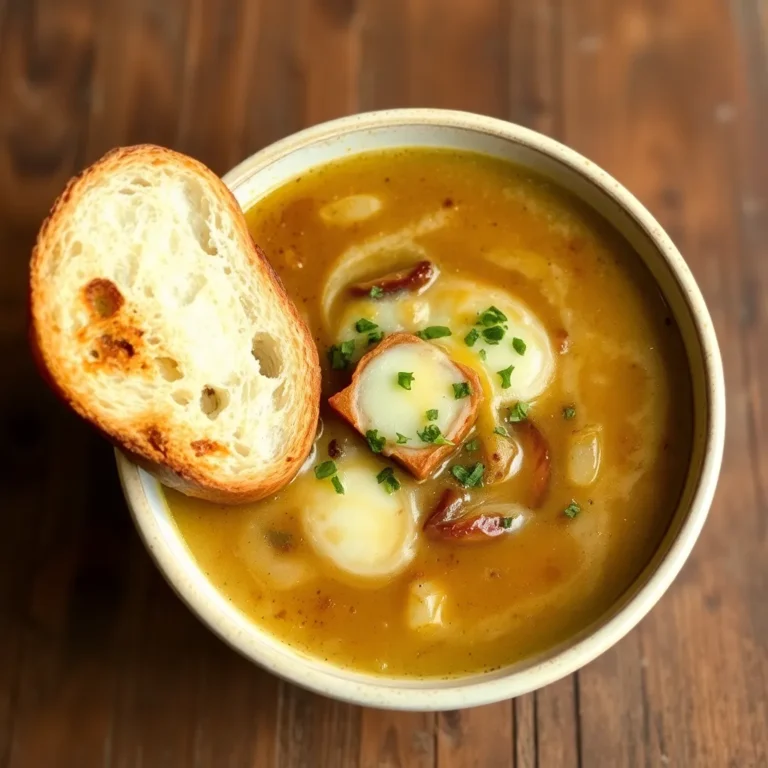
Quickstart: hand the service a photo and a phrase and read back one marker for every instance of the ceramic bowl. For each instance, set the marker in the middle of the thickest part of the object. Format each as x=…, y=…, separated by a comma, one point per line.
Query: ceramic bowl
x=263, y=172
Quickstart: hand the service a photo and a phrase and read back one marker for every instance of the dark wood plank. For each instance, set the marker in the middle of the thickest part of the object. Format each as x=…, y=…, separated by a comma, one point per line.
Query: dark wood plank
x=526, y=735
x=457, y=58
x=476, y=738
x=314, y=730
x=397, y=739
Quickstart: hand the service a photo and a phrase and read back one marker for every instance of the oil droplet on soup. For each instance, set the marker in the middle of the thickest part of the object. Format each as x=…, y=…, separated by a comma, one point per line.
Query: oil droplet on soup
x=551, y=506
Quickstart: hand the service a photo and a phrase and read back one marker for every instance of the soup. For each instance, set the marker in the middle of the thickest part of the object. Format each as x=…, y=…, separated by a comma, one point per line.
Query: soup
x=511, y=448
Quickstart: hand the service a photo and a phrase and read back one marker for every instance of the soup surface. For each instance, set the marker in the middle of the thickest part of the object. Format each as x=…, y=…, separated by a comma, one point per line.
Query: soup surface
x=550, y=506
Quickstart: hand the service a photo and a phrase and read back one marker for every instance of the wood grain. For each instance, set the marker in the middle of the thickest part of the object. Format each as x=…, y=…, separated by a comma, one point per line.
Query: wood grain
x=100, y=664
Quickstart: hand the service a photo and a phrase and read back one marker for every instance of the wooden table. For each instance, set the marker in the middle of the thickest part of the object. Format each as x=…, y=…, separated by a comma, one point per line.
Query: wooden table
x=100, y=665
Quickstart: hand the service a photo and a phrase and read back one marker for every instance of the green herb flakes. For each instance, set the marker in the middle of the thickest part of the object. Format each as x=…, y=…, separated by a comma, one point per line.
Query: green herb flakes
x=375, y=441
x=363, y=325
x=434, y=332
x=494, y=334
x=387, y=478
x=432, y=434
x=471, y=337
x=506, y=377
x=518, y=412
x=491, y=316
x=461, y=390
x=572, y=510
x=340, y=355
x=326, y=469
x=405, y=379
x=469, y=477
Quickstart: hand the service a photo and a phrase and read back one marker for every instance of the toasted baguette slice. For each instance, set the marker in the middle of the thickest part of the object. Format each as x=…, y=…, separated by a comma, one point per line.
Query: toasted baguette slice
x=420, y=462
x=156, y=317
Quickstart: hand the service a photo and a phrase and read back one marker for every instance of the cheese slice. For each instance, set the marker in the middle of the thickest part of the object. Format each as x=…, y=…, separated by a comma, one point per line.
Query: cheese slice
x=365, y=532
x=383, y=404
x=456, y=303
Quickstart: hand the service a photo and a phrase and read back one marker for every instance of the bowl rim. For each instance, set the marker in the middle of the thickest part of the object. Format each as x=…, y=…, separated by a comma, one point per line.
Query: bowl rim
x=558, y=662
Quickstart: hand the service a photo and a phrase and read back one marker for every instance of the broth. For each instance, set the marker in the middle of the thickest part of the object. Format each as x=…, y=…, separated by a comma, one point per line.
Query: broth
x=615, y=413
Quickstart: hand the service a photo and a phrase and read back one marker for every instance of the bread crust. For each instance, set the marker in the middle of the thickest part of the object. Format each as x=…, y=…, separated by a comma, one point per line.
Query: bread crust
x=152, y=442
x=420, y=462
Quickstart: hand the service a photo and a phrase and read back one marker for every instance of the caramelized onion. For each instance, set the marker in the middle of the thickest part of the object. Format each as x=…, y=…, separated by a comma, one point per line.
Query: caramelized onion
x=451, y=521
x=413, y=280
x=536, y=453
x=503, y=458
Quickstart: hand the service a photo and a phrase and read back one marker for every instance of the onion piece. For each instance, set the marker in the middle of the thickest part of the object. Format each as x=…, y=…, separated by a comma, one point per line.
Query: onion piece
x=584, y=456
x=350, y=210
x=414, y=280
x=451, y=521
x=504, y=458
x=362, y=259
x=426, y=605
x=536, y=456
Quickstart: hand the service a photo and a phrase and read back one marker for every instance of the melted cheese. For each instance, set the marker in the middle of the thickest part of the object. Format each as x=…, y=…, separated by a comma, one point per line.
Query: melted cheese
x=384, y=405
x=365, y=532
x=456, y=304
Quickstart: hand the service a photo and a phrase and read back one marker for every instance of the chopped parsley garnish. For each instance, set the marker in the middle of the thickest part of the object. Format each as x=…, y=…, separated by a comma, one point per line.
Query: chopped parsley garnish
x=501, y=431
x=404, y=379
x=402, y=439
x=461, y=390
x=340, y=355
x=432, y=414
x=387, y=477
x=375, y=337
x=376, y=292
x=471, y=337
x=491, y=316
x=519, y=346
x=506, y=377
x=472, y=445
x=432, y=434
x=569, y=412
x=337, y=485
x=494, y=334
x=375, y=441
x=572, y=510
x=363, y=325
x=518, y=412
x=482, y=354
x=506, y=522
x=434, y=332
x=326, y=469
x=469, y=477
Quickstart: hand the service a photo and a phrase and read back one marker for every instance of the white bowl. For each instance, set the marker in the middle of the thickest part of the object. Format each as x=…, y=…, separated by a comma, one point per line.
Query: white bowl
x=263, y=172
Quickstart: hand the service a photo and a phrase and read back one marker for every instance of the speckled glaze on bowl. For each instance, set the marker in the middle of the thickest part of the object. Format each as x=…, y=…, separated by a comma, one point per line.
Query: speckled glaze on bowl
x=268, y=169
